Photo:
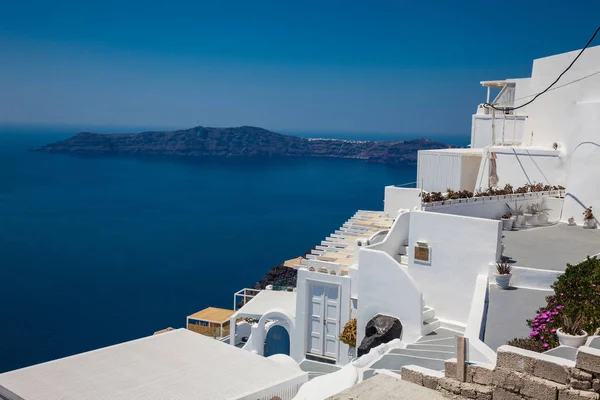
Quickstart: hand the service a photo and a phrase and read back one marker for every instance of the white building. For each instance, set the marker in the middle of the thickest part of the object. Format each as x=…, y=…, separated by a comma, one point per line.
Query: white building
x=428, y=264
x=429, y=261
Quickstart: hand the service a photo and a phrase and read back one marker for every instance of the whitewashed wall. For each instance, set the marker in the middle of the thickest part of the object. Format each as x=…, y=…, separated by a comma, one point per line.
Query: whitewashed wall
x=554, y=116
x=568, y=115
x=304, y=280
x=583, y=188
x=396, y=198
x=437, y=171
x=461, y=249
x=397, y=235
x=385, y=287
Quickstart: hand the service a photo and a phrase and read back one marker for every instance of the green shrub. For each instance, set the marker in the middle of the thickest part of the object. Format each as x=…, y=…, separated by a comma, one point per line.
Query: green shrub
x=576, y=296
x=527, y=344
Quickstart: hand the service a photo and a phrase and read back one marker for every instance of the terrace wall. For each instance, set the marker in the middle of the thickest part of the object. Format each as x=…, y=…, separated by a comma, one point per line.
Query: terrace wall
x=461, y=248
x=493, y=207
x=518, y=374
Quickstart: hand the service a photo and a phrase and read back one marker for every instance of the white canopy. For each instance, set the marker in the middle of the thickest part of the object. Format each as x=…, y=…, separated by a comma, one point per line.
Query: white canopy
x=174, y=365
x=267, y=300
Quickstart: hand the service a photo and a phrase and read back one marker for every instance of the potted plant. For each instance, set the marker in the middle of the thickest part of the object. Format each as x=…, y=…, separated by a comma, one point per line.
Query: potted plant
x=348, y=336
x=503, y=275
x=589, y=221
x=571, y=334
x=518, y=213
x=507, y=222
x=543, y=215
x=532, y=216
x=571, y=221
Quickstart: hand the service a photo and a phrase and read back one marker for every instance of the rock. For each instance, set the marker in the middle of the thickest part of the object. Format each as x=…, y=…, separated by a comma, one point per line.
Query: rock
x=381, y=329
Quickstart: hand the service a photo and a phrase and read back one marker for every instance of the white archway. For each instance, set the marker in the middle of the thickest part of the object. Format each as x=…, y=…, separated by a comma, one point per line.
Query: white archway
x=260, y=332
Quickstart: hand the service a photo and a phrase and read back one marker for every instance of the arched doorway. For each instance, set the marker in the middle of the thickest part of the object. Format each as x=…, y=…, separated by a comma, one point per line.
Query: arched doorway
x=277, y=341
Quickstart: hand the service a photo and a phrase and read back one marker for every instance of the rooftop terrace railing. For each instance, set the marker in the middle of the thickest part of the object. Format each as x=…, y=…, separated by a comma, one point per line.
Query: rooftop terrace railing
x=408, y=185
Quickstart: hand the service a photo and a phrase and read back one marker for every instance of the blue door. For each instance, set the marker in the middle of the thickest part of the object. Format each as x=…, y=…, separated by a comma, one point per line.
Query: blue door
x=277, y=342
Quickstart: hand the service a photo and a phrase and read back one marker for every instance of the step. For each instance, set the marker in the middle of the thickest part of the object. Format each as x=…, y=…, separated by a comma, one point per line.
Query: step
x=405, y=243
x=440, y=336
x=433, y=354
x=403, y=251
x=429, y=326
x=395, y=362
x=428, y=313
x=435, y=347
x=404, y=260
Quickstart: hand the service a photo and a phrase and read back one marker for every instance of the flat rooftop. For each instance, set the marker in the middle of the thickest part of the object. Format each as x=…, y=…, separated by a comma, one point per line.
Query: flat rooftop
x=551, y=247
x=173, y=365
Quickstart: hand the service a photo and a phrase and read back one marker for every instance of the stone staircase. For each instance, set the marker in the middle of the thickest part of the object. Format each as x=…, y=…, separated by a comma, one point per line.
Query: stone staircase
x=430, y=351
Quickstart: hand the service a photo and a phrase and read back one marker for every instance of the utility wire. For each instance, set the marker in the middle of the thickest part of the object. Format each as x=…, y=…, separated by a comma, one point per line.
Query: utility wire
x=552, y=84
x=563, y=85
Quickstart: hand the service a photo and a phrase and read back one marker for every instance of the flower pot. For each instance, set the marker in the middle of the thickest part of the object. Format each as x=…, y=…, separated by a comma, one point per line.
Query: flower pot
x=532, y=219
x=571, y=221
x=571, y=340
x=589, y=223
x=503, y=281
x=507, y=224
x=543, y=218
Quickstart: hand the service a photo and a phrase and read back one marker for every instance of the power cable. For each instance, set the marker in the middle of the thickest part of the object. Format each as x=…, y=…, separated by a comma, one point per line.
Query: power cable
x=552, y=84
x=566, y=84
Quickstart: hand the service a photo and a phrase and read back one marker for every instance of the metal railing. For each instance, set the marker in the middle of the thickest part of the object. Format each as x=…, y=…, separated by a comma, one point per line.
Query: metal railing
x=409, y=184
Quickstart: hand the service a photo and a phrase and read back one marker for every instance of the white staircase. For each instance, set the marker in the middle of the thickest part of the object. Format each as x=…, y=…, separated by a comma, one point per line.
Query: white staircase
x=430, y=322
x=403, y=253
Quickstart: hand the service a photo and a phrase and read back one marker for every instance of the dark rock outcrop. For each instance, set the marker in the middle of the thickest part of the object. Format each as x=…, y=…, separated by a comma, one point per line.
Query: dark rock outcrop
x=380, y=329
x=278, y=276
x=245, y=141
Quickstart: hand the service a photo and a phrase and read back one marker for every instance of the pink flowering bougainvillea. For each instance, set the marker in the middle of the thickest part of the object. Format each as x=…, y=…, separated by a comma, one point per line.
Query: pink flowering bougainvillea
x=576, y=294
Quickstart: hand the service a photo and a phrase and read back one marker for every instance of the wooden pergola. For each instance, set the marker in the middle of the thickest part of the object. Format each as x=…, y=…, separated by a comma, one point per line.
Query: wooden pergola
x=211, y=321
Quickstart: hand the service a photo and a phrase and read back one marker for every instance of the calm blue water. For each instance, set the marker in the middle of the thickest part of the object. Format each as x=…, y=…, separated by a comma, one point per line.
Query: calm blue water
x=96, y=251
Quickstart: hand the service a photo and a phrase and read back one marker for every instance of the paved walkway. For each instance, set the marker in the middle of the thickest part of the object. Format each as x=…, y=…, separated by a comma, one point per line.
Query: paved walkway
x=508, y=311
x=386, y=387
x=551, y=247
x=547, y=248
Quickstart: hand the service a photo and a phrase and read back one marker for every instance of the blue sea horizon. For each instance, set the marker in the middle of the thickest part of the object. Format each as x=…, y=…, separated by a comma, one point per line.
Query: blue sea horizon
x=95, y=251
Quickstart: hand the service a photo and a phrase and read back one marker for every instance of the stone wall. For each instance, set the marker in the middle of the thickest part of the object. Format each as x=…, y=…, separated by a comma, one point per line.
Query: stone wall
x=518, y=374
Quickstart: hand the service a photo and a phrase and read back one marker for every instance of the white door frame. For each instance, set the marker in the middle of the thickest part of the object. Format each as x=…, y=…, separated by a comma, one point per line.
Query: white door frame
x=323, y=306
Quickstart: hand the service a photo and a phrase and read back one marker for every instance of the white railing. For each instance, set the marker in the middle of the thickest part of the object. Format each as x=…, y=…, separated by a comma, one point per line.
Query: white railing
x=243, y=296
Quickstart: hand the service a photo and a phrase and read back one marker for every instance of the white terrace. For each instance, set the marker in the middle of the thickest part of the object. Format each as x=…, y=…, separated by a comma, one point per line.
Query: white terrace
x=337, y=252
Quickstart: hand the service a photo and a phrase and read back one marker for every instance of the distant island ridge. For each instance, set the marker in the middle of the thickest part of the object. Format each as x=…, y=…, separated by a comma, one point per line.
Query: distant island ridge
x=244, y=141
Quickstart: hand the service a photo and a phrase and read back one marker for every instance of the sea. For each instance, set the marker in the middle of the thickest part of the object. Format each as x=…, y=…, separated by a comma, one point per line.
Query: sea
x=96, y=251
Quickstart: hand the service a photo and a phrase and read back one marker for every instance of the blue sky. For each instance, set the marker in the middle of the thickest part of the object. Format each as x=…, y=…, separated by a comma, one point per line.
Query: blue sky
x=378, y=66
